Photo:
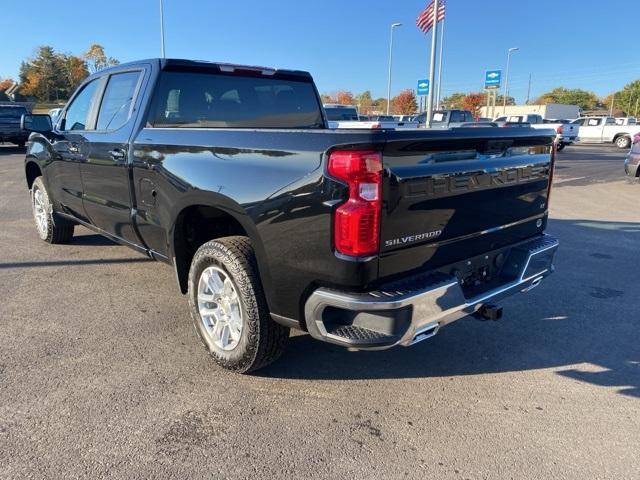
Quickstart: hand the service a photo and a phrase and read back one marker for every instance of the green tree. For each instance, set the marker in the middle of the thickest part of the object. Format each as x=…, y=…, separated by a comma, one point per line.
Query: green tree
x=454, y=100
x=500, y=100
x=582, y=98
x=627, y=99
x=42, y=76
x=364, y=102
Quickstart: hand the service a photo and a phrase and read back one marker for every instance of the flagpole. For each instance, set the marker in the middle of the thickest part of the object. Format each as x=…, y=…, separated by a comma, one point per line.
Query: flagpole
x=432, y=63
x=440, y=64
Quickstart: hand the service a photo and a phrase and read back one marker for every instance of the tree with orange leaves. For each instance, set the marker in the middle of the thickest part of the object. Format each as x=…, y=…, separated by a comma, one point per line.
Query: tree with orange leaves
x=472, y=102
x=405, y=103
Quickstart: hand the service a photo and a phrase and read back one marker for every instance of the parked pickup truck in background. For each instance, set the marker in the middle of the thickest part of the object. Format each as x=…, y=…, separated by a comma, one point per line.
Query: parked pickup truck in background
x=606, y=130
x=10, y=130
x=446, y=118
x=346, y=116
x=566, y=133
x=367, y=239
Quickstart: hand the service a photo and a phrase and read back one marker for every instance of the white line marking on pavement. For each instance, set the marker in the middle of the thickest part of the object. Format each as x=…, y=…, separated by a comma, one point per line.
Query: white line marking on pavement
x=562, y=180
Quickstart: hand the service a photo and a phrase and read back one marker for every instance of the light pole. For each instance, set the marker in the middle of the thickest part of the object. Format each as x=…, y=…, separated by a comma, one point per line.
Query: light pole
x=393, y=25
x=506, y=80
x=162, y=29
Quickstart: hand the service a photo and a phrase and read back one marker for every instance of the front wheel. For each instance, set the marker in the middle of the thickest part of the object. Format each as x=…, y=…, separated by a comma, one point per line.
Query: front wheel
x=229, y=309
x=623, y=142
x=50, y=228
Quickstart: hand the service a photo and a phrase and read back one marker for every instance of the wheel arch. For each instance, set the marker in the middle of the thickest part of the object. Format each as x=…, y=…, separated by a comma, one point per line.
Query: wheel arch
x=205, y=217
x=621, y=134
x=32, y=171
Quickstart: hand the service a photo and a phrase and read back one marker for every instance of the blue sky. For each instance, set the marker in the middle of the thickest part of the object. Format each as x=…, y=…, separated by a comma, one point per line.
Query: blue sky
x=344, y=43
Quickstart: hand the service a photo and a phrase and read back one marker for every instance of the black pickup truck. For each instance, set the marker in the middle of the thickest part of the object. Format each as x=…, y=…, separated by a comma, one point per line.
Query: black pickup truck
x=10, y=130
x=364, y=238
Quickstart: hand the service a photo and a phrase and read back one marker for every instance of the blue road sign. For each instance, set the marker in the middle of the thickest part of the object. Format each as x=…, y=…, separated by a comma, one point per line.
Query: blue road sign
x=492, y=78
x=423, y=87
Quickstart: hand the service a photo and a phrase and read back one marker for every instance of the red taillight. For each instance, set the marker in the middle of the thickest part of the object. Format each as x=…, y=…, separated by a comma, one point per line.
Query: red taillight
x=559, y=130
x=357, y=221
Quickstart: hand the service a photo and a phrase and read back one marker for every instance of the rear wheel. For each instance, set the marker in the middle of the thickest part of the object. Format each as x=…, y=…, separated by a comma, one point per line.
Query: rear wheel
x=228, y=307
x=623, y=142
x=51, y=228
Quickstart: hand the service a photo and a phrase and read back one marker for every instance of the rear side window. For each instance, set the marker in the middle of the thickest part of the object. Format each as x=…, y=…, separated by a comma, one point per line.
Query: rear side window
x=336, y=114
x=215, y=100
x=78, y=113
x=117, y=101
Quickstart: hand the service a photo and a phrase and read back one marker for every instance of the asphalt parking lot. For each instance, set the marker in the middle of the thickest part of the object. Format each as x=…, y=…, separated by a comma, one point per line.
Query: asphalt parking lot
x=101, y=374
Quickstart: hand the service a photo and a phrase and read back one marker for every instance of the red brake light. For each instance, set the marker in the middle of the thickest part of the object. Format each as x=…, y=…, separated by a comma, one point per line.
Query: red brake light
x=357, y=221
x=559, y=130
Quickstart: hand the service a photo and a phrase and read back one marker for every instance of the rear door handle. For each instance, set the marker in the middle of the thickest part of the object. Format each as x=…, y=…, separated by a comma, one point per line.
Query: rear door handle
x=117, y=154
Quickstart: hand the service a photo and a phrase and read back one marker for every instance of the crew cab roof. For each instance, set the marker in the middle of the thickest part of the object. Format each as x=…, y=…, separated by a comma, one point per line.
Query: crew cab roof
x=184, y=64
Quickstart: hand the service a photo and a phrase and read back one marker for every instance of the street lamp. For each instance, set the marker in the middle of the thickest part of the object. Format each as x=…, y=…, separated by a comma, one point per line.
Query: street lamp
x=393, y=25
x=506, y=80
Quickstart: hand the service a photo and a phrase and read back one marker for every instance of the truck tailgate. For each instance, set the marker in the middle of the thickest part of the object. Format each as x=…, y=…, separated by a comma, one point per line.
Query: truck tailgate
x=452, y=195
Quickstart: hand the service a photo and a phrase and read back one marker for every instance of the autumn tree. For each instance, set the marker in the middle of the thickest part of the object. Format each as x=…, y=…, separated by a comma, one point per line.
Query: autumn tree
x=96, y=58
x=5, y=84
x=472, y=102
x=405, y=103
x=344, y=97
x=75, y=70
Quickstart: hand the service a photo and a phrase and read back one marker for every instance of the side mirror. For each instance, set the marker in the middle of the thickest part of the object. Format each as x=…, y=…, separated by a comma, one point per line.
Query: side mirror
x=36, y=123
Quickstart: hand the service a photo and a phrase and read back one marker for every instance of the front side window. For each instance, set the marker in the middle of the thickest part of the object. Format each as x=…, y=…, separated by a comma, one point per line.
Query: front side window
x=216, y=100
x=117, y=101
x=77, y=116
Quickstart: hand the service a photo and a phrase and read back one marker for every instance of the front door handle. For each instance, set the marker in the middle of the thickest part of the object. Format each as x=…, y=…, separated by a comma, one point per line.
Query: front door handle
x=117, y=154
x=73, y=148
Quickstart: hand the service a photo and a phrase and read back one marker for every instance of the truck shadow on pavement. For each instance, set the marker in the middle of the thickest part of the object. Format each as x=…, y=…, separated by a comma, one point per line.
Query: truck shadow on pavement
x=8, y=149
x=583, y=322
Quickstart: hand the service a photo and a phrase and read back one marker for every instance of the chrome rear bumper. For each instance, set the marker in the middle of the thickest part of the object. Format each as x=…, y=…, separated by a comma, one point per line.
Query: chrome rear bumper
x=393, y=316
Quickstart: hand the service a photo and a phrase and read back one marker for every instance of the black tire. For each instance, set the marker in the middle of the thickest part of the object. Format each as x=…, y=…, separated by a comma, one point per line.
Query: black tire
x=623, y=141
x=560, y=147
x=261, y=340
x=53, y=229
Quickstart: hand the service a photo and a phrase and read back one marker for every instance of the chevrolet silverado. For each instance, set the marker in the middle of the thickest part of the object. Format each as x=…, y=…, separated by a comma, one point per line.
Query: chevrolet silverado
x=364, y=238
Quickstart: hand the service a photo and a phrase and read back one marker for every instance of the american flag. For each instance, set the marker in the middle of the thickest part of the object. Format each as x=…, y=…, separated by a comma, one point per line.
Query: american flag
x=425, y=19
